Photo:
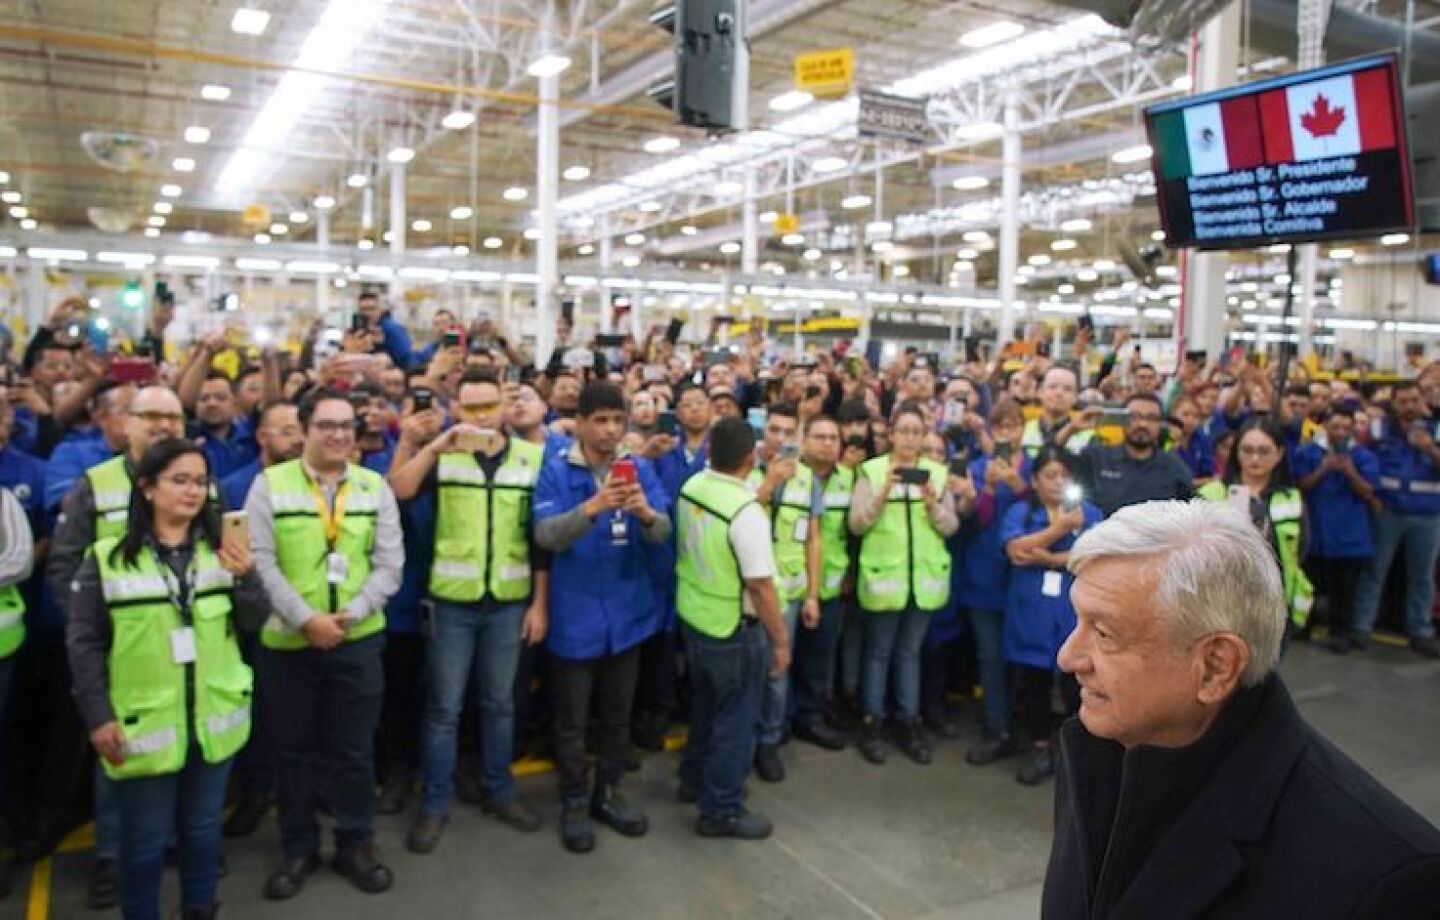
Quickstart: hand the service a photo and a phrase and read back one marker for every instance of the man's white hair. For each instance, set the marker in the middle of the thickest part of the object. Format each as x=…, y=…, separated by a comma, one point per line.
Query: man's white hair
x=1216, y=573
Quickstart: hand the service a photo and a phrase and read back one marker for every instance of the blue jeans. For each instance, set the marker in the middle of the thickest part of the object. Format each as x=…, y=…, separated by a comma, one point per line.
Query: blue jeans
x=892, y=644
x=107, y=817
x=989, y=626
x=726, y=680
x=814, y=665
x=1420, y=535
x=182, y=806
x=480, y=642
x=774, y=716
x=852, y=649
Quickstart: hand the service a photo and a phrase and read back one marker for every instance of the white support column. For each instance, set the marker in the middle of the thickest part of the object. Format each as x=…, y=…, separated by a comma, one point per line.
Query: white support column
x=37, y=306
x=1216, y=57
x=1009, y=218
x=1311, y=17
x=607, y=258
x=750, y=236
x=547, y=180
x=323, y=283
x=397, y=227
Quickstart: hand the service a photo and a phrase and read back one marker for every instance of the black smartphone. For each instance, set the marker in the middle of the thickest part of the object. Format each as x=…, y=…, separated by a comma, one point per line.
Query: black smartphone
x=672, y=331
x=567, y=311
x=960, y=465
x=912, y=476
x=611, y=340
x=1043, y=349
x=855, y=440
x=1198, y=356
x=1086, y=322
x=452, y=338
x=423, y=399
x=358, y=325
x=1004, y=450
x=668, y=424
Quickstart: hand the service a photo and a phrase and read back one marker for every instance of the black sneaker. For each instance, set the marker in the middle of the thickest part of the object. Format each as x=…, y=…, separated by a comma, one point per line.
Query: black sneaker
x=742, y=825
x=820, y=735
x=608, y=807
x=768, y=765
x=102, y=892
x=1425, y=647
x=425, y=833
x=870, y=745
x=286, y=882
x=1038, y=769
x=361, y=865
x=991, y=750
x=514, y=813
x=910, y=739
x=577, y=834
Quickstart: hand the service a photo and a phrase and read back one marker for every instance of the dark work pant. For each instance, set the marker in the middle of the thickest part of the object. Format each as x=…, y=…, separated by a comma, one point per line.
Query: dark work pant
x=611, y=682
x=255, y=764
x=655, y=688
x=1032, y=699
x=727, y=678
x=400, y=716
x=50, y=772
x=1336, y=581
x=813, y=671
x=324, y=709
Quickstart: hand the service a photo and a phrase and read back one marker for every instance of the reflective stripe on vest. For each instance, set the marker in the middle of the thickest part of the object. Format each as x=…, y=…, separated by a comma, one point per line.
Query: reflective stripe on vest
x=1287, y=511
x=788, y=508
x=903, y=558
x=110, y=484
x=148, y=689
x=709, y=586
x=835, y=532
x=1032, y=440
x=301, y=547
x=12, y=620
x=482, y=529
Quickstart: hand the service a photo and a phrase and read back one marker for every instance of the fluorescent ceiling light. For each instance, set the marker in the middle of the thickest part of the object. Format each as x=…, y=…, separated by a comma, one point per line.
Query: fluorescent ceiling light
x=463, y=212
x=171, y=191
x=493, y=242
x=364, y=245
x=630, y=261
x=339, y=30
x=417, y=273
x=1132, y=154
x=299, y=217
x=1341, y=254
x=789, y=102
x=1182, y=83
x=882, y=246
x=257, y=265
x=1104, y=265
x=58, y=255
x=967, y=254
x=900, y=271
x=376, y=271
x=635, y=239
x=324, y=202
x=688, y=230
x=155, y=220
x=993, y=34
x=979, y=131
x=214, y=92
x=262, y=239
x=278, y=229
x=420, y=225
x=516, y=193
x=829, y=164
x=1076, y=225
x=878, y=227
x=19, y=212
x=576, y=174
x=182, y=164
x=730, y=248
x=1065, y=289
x=551, y=65
x=1040, y=259
x=191, y=262
x=151, y=232
x=651, y=207
x=400, y=155
x=1394, y=239
x=727, y=187
x=1159, y=237
x=136, y=259
x=458, y=120
x=197, y=134
x=312, y=268
x=769, y=217
x=855, y=202
x=586, y=250
x=11, y=197
x=475, y=276
x=812, y=255
x=4, y=177
x=661, y=145
x=357, y=180
x=250, y=22
x=793, y=239
x=976, y=236
x=1063, y=245
x=969, y=183
x=163, y=207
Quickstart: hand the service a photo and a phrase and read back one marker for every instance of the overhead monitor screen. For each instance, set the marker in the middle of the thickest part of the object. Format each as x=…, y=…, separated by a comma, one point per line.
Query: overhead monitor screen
x=1310, y=156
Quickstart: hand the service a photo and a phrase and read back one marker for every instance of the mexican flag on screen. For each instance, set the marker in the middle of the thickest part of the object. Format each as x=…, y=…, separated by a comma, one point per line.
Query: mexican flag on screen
x=1336, y=116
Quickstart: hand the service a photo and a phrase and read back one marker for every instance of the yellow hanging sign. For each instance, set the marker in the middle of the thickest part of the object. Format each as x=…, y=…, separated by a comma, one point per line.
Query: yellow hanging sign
x=787, y=223
x=825, y=74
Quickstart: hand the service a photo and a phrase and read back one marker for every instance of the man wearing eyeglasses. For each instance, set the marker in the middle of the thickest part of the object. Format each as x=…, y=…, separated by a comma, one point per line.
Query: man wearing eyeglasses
x=327, y=542
x=97, y=507
x=1138, y=470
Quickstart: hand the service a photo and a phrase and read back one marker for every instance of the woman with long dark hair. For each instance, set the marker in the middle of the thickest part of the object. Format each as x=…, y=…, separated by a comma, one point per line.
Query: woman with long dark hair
x=1257, y=482
x=158, y=674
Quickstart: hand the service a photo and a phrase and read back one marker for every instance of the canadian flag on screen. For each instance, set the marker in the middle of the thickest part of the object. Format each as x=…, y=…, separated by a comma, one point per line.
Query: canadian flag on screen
x=1337, y=116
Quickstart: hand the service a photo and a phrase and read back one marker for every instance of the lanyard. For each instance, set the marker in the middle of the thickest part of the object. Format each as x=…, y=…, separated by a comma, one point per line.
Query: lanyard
x=182, y=592
x=332, y=519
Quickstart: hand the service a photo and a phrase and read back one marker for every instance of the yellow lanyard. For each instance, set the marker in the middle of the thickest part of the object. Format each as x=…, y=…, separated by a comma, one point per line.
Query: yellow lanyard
x=331, y=519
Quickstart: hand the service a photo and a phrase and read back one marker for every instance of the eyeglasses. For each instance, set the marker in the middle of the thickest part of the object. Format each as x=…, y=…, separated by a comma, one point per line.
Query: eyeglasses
x=1262, y=451
x=477, y=408
x=328, y=426
x=1144, y=417
x=184, y=481
x=155, y=418
x=909, y=431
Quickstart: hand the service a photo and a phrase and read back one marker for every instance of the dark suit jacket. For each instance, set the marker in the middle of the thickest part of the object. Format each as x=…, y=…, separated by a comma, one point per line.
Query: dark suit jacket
x=1282, y=826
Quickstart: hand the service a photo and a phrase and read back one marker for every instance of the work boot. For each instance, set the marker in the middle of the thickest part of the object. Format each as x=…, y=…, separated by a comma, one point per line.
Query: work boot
x=359, y=863
x=577, y=834
x=425, y=833
x=742, y=825
x=768, y=765
x=820, y=735
x=200, y=913
x=1038, y=769
x=1425, y=647
x=395, y=794
x=910, y=739
x=938, y=720
x=102, y=892
x=248, y=813
x=608, y=807
x=287, y=881
x=870, y=745
x=1340, y=643
x=514, y=813
x=991, y=749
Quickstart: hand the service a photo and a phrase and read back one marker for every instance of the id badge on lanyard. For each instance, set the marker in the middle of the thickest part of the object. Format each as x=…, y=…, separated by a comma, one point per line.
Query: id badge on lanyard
x=182, y=640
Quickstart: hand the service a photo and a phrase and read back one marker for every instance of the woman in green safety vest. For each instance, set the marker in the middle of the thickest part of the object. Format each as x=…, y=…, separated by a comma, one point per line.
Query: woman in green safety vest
x=153, y=617
x=902, y=512
x=1257, y=481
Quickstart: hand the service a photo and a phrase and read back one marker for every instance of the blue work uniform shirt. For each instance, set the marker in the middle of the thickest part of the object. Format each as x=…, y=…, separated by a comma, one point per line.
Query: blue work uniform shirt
x=1037, y=624
x=1339, y=520
x=984, y=569
x=1409, y=482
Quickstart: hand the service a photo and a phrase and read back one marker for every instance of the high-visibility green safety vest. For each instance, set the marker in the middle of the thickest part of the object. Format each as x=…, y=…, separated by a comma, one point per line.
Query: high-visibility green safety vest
x=147, y=687
x=1033, y=439
x=709, y=586
x=835, y=533
x=789, y=528
x=1286, y=513
x=12, y=620
x=110, y=483
x=482, y=528
x=903, y=558
x=301, y=547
